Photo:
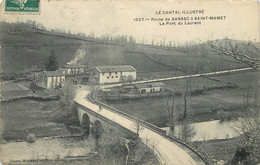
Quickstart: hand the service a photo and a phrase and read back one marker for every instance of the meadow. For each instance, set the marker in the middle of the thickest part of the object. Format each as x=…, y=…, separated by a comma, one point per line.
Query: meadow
x=26, y=116
x=27, y=50
x=222, y=93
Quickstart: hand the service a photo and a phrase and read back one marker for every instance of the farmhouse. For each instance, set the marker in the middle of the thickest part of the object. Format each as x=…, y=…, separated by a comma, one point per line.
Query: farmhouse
x=50, y=79
x=73, y=69
x=114, y=74
x=143, y=88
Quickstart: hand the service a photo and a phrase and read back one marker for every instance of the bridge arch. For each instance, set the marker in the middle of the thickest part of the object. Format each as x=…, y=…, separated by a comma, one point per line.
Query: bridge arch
x=86, y=123
x=99, y=129
x=98, y=124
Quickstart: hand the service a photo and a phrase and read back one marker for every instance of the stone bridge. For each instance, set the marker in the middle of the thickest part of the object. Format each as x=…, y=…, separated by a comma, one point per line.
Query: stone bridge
x=170, y=151
x=87, y=118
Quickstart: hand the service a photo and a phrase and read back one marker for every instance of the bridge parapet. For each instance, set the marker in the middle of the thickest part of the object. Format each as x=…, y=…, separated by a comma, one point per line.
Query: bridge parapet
x=142, y=122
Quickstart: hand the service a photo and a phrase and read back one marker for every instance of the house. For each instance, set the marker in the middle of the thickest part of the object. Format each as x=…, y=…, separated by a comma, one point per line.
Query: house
x=144, y=88
x=73, y=69
x=114, y=74
x=149, y=87
x=50, y=79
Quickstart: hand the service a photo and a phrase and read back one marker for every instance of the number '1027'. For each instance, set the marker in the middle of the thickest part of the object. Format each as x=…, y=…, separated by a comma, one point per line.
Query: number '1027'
x=138, y=19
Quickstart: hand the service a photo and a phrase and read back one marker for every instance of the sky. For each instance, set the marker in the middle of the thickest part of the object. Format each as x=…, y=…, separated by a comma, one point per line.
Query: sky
x=117, y=18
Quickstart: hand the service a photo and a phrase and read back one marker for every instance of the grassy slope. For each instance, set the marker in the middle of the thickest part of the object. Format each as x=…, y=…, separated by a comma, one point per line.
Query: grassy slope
x=26, y=116
x=24, y=50
x=37, y=45
x=220, y=149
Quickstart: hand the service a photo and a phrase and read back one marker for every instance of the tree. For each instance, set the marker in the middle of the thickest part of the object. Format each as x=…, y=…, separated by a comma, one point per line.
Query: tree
x=138, y=126
x=51, y=63
x=97, y=131
x=66, y=108
x=249, y=129
x=186, y=131
x=172, y=115
x=185, y=98
x=245, y=52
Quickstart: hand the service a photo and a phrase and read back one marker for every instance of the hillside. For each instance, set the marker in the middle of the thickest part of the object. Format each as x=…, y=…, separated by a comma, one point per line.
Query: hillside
x=26, y=49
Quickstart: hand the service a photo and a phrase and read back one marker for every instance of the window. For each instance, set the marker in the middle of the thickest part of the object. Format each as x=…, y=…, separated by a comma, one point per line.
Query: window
x=116, y=76
x=112, y=77
x=109, y=73
x=107, y=77
x=103, y=74
x=115, y=72
x=52, y=80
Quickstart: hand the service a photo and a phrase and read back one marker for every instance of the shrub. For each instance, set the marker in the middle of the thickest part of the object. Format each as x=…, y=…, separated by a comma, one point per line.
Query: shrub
x=223, y=115
x=31, y=138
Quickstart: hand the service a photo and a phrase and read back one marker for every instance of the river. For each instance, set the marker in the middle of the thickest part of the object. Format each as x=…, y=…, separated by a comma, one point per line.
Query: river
x=211, y=130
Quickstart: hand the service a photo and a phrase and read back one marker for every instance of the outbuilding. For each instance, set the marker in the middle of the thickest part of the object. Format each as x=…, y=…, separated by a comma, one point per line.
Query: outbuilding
x=149, y=87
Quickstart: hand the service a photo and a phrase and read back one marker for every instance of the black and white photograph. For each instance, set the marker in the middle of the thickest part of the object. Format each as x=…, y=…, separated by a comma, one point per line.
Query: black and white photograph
x=127, y=82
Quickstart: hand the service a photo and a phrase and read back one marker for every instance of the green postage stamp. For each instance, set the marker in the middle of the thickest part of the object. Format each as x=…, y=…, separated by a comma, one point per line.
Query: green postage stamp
x=22, y=6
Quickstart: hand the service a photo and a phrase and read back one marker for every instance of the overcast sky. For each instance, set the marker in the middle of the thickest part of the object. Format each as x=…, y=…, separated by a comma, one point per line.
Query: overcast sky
x=116, y=18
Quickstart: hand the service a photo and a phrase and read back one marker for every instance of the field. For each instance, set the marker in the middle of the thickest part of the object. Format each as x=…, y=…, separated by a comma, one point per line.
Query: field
x=26, y=116
x=202, y=107
x=34, y=45
x=220, y=149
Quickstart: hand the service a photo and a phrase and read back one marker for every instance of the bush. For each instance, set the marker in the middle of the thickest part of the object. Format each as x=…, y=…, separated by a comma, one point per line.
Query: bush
x=223, y=115
x=31, y=138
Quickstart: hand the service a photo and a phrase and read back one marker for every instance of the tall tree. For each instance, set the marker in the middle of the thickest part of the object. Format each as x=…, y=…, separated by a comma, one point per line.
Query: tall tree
x=51, y=63
x=249, y=129
x=185, y=98
x=245, y=52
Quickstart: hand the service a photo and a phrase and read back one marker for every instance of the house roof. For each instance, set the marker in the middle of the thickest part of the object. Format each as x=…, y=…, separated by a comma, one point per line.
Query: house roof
x=149, y=85
x=75, y=66
x=54, y=73
x=116, y=68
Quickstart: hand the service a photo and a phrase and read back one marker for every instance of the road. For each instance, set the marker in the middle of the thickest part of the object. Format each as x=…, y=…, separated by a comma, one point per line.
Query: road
x=169, y=153
x=179, y=77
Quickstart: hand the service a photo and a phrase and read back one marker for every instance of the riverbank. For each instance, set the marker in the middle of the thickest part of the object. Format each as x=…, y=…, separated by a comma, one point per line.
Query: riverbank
x=46, y=149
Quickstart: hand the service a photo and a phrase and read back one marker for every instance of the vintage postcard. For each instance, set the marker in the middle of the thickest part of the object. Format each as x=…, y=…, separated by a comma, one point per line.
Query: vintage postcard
x=155, y=82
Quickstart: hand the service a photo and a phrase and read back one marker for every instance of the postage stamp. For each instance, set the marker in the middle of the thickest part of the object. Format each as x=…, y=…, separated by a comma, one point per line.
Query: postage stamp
x=22, y=6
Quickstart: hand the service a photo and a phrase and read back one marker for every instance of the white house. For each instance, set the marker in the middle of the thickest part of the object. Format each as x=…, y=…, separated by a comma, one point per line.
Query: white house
x=73, y=69
x=50, y=79
x=114, y=74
